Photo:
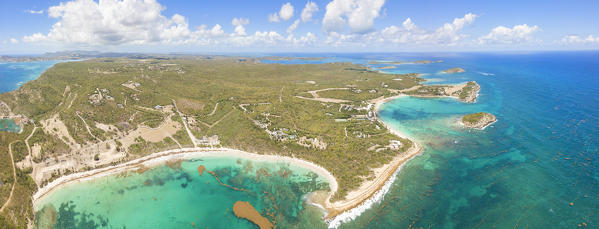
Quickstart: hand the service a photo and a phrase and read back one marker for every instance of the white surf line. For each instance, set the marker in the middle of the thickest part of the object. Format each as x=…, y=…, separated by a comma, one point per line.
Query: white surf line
x=378, y=196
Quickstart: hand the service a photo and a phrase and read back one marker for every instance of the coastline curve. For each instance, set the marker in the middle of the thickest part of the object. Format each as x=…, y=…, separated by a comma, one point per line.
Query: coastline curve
x=338, y=212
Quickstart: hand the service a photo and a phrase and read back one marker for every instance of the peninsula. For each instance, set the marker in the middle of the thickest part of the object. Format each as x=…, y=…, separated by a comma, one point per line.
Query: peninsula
x=98, y=115
x=465, y=92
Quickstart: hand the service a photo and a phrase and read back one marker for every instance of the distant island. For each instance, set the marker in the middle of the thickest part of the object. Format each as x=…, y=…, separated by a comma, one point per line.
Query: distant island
x=388, y=67
x=291, y=58
x=405, y=62
x=82, y=55
x=454, y=70
x=478, y=120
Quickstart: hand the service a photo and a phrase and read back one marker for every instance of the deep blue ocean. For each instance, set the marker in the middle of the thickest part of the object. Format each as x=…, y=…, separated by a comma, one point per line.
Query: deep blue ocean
x=537, y=167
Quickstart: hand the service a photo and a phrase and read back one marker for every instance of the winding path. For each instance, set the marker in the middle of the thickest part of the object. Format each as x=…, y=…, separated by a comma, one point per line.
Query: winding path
x=86, y=126
x=213, y=111
x=317, y=97
x=216, y=122
x=14, y=175
x=29, y=147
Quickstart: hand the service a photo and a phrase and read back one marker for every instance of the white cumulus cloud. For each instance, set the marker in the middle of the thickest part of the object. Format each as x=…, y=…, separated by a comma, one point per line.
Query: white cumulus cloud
x=358, y=14
x=35, y=11
x=14, y=41
x=115, y=22
x=293, y=26
x=239, y=25
x=504, y=35
x=36, y=37
x=285, y=13
x=309, y=11
x=274, y=17
x=448, y=34
x=576, y=39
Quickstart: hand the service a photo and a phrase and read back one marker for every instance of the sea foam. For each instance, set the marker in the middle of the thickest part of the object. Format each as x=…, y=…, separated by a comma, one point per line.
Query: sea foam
x=353, y=213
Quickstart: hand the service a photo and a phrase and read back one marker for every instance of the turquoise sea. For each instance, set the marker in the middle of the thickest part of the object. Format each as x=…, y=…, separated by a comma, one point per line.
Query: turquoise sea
x=15, y=74
x=537, y=167
x=179, y=197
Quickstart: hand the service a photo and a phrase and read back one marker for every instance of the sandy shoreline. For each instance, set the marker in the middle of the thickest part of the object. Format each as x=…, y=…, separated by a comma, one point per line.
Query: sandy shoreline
x=359, y=200
x=185, y=153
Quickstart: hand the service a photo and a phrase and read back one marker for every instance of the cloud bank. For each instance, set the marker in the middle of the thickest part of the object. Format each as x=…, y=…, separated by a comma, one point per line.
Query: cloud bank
x=344, y=23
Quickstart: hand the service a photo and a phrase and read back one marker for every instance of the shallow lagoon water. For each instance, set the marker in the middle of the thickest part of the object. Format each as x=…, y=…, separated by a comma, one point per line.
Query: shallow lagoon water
x=179, y=197
x=9, y=125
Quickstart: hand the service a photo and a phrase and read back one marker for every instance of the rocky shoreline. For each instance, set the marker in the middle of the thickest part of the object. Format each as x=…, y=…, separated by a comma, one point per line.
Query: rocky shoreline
x=480, y=120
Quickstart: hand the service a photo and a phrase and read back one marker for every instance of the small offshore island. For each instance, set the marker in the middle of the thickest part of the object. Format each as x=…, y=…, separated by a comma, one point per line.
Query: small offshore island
x=454, y=70
x=111, y=115
x=478, y=120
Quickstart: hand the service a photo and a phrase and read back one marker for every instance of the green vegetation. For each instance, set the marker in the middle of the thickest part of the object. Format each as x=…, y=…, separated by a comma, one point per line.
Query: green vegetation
x=478, y=120
x=473, y=118
x=465, y=92
x=355, y=95
x=51, y=146
x=19, y=151
x=335, y=136
x=19, y=210
x=470, y=86
x=454, y=70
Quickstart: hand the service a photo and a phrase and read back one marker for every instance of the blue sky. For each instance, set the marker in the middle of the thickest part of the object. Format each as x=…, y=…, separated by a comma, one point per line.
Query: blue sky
x=29, y=26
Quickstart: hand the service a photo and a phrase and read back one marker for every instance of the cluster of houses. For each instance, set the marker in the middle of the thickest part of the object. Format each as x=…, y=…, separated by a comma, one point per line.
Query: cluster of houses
x=99, y=96
x=280, y=134
x=394, y=144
